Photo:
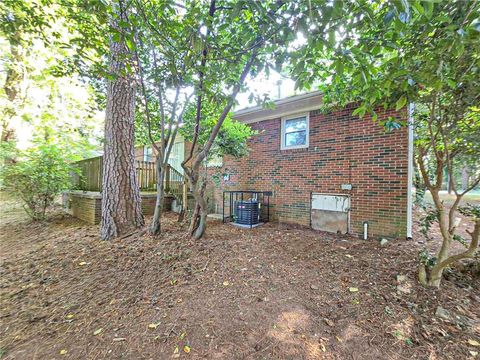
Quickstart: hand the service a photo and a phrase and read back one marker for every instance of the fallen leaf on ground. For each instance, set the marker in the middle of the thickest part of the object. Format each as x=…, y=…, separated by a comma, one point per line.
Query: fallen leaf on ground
x=153, y=325
x=82, y=263
x=329, y=322
x=473, y=342
x=63, y=352
x=70, y=316
x=97, y=332
x=353, y=289
x=226, y=283
x=186, y=349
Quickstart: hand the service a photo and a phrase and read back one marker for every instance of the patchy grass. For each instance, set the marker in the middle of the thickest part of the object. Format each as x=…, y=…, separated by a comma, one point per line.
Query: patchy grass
x=472, y=197
x=274, y=292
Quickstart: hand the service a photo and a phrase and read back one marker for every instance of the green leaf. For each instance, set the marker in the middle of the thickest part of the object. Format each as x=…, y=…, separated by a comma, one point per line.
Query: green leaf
x=401, y=102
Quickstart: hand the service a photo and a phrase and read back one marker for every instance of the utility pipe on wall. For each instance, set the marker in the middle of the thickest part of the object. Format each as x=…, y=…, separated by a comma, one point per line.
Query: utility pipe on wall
x=365, y=230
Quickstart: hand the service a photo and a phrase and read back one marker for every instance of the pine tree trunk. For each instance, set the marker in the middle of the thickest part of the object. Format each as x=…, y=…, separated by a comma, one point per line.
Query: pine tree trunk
x=121, y=203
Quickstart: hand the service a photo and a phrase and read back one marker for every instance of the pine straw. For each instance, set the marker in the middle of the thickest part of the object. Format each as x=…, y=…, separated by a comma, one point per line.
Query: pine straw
x=274, y=292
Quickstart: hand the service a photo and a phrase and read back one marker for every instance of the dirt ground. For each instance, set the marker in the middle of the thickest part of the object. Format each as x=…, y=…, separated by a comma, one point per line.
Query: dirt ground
x=274, y=292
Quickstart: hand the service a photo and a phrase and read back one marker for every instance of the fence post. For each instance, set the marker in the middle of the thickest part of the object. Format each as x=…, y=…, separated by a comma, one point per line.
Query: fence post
x=185, y=196
x=167, y=178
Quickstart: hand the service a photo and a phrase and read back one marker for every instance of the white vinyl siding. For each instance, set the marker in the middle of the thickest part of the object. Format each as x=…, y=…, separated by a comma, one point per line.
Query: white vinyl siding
x=177, y=156
x=148, y=153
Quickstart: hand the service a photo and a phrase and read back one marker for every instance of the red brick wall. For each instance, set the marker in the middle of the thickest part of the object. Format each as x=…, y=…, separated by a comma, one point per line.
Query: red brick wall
x=88, y=207
x=342, y=150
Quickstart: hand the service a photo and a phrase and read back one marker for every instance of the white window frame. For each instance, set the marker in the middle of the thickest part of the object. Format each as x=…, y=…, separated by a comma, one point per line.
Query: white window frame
x=282, y=137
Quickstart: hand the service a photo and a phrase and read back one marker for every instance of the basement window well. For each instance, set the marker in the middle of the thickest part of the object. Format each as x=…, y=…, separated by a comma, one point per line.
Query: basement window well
x=246, y=208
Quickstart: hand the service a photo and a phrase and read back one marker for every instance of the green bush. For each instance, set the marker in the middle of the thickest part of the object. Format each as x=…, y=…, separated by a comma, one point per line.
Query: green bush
x=37, y=177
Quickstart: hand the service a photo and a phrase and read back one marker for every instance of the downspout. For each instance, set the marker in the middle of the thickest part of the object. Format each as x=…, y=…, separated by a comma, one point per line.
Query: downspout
x=411, y=108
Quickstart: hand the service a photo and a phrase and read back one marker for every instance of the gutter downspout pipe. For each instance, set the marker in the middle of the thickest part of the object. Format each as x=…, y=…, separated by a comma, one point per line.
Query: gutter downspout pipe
x=411, y=108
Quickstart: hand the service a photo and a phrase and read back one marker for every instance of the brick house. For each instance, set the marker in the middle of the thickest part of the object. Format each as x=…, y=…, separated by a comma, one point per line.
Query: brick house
x=311, y=160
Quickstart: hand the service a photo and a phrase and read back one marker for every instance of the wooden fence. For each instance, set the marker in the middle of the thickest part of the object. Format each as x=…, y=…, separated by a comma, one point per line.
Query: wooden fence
x=89, y=175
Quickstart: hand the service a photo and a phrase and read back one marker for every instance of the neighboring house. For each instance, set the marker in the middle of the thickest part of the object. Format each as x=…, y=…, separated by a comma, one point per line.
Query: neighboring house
x=330, y=171
x=178, y=154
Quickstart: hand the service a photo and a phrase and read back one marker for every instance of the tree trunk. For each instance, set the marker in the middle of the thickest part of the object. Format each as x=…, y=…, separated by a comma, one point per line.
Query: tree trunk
x=201, y=219
x=465, y=177
x=15, y=75
x=155, y=227
x=450, y=183
x=121, y=203
x=193, y=221
x=198, y=221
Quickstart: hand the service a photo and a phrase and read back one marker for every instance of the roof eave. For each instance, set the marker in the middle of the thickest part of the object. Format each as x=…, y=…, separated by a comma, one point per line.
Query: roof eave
x=283, y=107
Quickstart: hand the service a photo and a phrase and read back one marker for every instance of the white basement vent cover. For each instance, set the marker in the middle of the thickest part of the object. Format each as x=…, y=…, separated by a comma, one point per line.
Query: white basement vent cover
x=330, y=212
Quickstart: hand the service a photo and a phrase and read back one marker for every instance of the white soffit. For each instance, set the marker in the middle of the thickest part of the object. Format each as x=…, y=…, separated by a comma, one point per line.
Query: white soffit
x=283, y=107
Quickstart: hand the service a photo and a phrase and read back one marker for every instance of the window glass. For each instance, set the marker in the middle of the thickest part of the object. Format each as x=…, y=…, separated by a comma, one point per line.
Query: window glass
x=296, y=138
x=295, y=132
x=215, y=161
x=295, y=125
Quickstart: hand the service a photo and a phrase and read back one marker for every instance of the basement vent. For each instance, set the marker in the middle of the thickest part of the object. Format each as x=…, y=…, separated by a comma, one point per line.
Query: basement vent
x=330, y=213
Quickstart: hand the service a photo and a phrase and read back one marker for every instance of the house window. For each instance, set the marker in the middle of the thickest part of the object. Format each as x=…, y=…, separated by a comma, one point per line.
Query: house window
x=147, y=153
x=295, y=132
x=215, y=161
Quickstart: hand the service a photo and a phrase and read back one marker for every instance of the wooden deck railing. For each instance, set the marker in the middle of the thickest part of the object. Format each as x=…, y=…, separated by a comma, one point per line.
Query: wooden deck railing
x=174, y=183
x=89, y=177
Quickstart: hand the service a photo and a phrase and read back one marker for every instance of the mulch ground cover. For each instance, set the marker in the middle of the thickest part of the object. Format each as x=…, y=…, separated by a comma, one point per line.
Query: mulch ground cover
x=273, y=292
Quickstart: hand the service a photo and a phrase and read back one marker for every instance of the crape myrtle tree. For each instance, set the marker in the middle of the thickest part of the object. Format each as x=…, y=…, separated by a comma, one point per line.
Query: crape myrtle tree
x=230, y=141
x=426, y=53
x=161, y=53
x=228, y=41
x=168, y=48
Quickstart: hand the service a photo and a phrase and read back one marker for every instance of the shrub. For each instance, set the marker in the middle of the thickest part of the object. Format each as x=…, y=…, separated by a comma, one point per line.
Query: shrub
x=37, y=177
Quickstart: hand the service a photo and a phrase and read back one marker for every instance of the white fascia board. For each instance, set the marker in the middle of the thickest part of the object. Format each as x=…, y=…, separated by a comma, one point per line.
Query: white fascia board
x=283, y=107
